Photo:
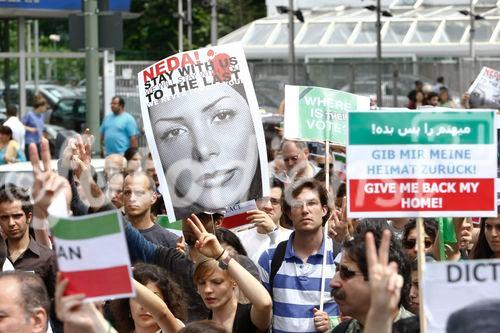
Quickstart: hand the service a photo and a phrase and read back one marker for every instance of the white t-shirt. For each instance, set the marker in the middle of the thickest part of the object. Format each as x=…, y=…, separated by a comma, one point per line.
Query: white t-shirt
x=256, y=243
x=18, y=130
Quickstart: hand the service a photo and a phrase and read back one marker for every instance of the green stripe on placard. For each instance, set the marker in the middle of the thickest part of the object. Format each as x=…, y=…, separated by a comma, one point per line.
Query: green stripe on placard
x=94, y=225
x=410, y=127
x=164, y=222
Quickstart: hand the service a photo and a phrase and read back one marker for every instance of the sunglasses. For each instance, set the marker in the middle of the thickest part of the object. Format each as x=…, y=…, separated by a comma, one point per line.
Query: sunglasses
x=345, y=273
x=410, y=243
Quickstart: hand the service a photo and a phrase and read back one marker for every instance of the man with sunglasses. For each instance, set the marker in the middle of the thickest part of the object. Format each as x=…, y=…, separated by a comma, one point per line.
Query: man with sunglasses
x=350, y=285
x=295, y=157
x=296, y=284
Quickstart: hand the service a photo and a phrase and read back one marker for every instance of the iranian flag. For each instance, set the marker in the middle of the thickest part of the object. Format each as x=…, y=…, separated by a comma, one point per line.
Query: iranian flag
x=175, y=227
x=339, y=165
x=92, y=254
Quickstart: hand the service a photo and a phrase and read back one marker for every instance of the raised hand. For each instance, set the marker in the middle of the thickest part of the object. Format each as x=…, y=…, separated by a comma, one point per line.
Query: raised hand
x=262, y=221
x=385, y=282
x=206, y=243
x=46, y=183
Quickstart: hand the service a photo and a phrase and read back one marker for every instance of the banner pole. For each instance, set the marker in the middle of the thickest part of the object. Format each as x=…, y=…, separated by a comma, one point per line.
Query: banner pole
x=421, y=265
x=325, y=229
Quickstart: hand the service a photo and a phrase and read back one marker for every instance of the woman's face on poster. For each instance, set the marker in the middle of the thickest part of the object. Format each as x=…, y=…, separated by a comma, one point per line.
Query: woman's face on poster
x=207, y=146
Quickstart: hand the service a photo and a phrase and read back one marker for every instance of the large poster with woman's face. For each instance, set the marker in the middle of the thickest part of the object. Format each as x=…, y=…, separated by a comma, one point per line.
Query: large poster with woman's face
x=204, y=130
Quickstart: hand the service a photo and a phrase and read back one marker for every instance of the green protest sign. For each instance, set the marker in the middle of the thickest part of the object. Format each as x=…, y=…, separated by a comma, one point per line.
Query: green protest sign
x=319, y=114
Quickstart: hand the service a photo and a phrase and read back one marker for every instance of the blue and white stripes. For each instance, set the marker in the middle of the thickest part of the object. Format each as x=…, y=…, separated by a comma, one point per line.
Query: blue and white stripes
x=296, y=288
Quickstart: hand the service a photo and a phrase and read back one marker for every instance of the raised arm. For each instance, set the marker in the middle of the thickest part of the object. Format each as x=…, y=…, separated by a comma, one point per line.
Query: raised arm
x=208, y=245
x=385, y=285
x=77, y=315
x=158, y=309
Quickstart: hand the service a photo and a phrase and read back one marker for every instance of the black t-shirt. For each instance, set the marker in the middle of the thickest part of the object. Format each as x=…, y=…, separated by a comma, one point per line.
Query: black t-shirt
x=158, y=235
x=242, y=319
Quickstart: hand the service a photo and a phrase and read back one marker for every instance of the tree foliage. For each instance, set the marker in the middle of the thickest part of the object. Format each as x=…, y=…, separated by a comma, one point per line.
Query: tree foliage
x=154, y=35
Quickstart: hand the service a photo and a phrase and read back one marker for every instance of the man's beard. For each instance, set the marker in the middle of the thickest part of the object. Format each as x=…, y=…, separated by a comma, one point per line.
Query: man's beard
x=338, y=294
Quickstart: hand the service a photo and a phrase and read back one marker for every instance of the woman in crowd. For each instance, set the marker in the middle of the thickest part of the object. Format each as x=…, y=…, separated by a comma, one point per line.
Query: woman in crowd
x=219, y=278
x=10, y=151
x=488, y=242
x=409, y=241
x=133, y=158
x=417, y=100
x=144, y=314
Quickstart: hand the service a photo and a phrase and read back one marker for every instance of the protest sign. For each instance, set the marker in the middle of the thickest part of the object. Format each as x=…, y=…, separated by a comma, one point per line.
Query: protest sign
x=92, y=254
x=319, y=114
x=462, y=296
x=203, y=126
x=236, y=216
x=485, y=90
x=424, y=163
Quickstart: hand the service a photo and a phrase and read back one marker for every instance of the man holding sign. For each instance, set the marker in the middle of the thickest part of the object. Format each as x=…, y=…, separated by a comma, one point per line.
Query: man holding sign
x=296, y=283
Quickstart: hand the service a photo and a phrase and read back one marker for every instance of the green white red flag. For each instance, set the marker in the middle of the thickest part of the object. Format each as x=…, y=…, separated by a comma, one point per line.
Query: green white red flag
x=92, y=254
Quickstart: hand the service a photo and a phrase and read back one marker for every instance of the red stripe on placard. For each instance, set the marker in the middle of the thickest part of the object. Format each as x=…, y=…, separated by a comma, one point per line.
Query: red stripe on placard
x=99, y=282
x=380, y=195
x=235, y=221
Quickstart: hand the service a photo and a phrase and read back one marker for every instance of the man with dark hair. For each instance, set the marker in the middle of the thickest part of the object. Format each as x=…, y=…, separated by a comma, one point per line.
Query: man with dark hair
x=24, y=303
x=15, y=124
x=292, y=271
x=139, y=195
x=350, y=284
x=25, y=253
x=118, y=130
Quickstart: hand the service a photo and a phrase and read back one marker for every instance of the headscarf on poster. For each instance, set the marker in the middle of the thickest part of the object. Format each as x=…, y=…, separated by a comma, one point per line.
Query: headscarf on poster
x=204, y=130
x=485, y=90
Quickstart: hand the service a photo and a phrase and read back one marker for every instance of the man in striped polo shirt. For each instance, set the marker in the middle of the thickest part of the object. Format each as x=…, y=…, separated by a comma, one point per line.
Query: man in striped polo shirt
x=297, y=283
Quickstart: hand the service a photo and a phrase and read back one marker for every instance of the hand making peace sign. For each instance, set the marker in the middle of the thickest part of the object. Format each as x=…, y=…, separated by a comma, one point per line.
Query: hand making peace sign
x=207, y=243
x=385, y=282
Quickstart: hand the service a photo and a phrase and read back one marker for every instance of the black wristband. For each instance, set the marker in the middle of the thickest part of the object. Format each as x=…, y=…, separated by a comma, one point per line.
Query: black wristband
x=220, y=255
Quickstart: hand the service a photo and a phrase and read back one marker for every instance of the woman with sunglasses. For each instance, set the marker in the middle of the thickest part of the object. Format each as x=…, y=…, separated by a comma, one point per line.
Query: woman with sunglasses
x=488, y=242
x=409, y=241
x=218, y=279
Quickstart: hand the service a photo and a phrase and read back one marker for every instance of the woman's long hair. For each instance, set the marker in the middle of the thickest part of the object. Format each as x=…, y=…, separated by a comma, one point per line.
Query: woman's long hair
x=482, y=249
x=172, y=296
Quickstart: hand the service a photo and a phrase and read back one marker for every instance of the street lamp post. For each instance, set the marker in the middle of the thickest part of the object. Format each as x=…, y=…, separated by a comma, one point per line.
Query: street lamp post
x=291, y=36
x=472, y=31
x=213, y=20
x=378, y=26
x=379, y=58
x=55, y=39
x=291, y=44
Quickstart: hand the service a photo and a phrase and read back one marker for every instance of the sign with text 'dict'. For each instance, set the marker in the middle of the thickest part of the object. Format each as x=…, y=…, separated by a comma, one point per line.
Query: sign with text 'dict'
x=462, y=296
x=421, y=164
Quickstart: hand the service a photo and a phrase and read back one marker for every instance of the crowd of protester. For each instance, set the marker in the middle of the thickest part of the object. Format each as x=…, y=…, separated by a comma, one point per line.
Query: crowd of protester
x=434, y=95
x=212, y=279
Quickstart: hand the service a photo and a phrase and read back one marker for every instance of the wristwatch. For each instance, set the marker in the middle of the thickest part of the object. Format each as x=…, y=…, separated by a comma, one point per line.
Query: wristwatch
x=225, y=262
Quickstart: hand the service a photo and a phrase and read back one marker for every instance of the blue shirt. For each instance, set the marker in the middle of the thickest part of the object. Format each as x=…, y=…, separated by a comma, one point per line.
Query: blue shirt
x=117, y=130
x=296, y=288
x=33, y=119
